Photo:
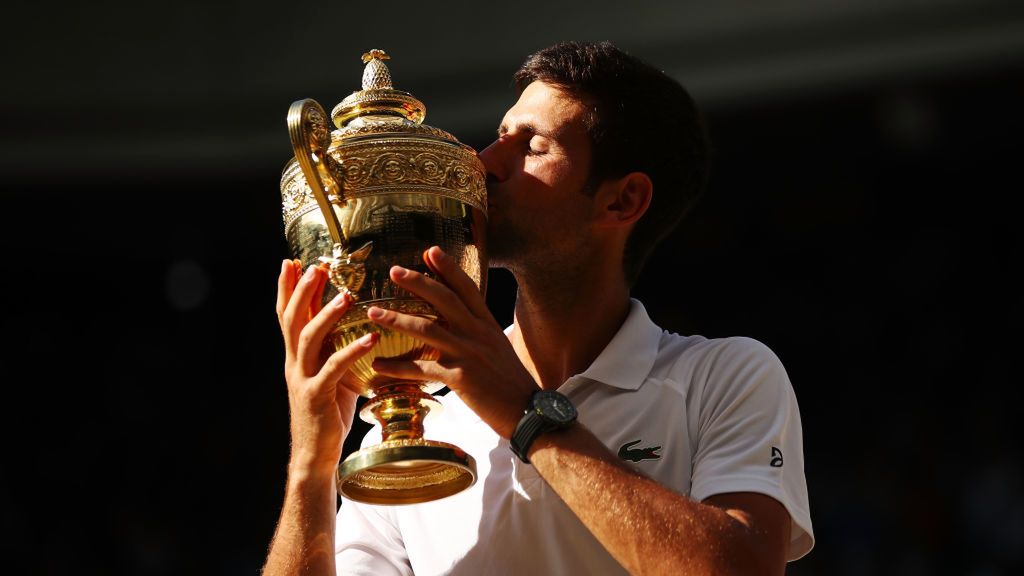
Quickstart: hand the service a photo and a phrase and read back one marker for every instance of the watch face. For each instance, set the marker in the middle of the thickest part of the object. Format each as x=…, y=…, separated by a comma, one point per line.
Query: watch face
x=556, y=407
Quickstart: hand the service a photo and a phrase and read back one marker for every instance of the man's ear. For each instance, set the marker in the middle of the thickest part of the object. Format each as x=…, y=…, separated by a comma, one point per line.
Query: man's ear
x=622, y=201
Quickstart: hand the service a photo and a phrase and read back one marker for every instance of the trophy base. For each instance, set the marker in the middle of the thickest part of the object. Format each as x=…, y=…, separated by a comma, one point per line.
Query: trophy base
x=406, y=471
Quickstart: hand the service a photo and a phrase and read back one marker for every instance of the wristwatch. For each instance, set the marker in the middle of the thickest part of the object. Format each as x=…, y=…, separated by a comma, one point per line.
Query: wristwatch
x=548, y=410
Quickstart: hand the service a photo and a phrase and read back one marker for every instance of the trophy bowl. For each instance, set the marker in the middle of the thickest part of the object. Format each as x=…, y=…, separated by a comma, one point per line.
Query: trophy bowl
x=375, y=192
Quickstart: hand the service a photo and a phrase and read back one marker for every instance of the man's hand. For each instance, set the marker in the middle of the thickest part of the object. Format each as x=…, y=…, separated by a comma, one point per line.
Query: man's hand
x=477, y=360
x=321, y=416
x=321, y=405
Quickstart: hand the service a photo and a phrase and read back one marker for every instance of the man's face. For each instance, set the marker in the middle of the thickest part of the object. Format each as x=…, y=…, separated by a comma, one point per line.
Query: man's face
x=537, y=170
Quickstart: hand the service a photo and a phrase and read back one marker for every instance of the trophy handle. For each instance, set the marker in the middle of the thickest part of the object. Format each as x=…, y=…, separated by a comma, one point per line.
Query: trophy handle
x=311, y=137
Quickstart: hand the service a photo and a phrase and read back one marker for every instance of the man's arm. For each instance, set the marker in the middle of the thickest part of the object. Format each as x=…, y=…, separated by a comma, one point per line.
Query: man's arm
x=321, y=409
x=648, y=528
x=304, y=540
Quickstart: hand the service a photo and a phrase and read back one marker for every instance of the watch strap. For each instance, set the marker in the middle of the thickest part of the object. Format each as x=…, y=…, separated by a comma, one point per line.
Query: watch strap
x=526, y=432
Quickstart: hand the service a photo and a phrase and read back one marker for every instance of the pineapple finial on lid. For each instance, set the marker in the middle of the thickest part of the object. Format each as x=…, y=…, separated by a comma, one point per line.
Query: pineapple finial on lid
x=376, y=75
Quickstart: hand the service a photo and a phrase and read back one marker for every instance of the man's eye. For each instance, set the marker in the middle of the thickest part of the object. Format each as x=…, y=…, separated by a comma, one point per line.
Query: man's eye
x=532, y=150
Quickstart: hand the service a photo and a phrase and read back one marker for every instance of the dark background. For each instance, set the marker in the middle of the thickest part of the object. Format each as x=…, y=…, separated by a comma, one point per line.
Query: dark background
x=860, y=221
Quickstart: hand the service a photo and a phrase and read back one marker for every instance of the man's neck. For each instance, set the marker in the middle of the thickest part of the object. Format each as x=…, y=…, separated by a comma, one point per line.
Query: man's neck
x=563, y=324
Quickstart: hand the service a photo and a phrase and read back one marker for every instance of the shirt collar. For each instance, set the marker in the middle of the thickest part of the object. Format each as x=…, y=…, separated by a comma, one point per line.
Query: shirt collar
x=628, y=358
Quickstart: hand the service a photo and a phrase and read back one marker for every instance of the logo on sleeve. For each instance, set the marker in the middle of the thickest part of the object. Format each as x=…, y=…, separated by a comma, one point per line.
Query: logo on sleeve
x=627, y=452
x=776, y=458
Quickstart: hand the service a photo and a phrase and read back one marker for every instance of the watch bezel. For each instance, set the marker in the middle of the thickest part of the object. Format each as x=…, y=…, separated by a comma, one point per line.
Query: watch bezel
x=554, y=406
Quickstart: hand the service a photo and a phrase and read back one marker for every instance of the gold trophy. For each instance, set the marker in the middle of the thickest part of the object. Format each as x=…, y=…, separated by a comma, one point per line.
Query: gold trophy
x=378, y=191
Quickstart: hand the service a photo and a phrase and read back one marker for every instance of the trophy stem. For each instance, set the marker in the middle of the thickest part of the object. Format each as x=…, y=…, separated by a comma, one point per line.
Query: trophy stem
x=399, y=409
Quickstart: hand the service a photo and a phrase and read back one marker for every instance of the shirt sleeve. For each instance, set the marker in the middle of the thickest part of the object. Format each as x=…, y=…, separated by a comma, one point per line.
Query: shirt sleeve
x=749, y=436
x=367, y=542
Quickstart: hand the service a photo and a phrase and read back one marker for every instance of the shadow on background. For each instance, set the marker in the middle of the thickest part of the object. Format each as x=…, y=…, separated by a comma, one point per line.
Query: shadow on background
x=865, y=230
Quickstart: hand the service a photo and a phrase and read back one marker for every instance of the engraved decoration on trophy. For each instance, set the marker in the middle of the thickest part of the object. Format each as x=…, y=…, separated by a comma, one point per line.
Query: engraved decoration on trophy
x=377, y=191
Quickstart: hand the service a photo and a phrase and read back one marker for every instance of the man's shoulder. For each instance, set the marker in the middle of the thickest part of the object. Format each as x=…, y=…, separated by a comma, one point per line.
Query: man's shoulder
x=673, y=346
x=679, y=354
x=696, y=346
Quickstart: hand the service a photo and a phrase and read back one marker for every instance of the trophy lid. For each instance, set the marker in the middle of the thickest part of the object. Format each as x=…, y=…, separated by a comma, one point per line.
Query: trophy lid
x=378, y=97
x=380, y=146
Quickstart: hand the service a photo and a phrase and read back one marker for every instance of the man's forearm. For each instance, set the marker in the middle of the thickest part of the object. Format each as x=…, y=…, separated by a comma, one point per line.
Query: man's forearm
x=646, y=527
x=304, y=540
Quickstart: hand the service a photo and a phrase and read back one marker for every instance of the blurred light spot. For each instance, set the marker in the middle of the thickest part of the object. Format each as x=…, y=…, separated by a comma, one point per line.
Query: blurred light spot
x=187, y=285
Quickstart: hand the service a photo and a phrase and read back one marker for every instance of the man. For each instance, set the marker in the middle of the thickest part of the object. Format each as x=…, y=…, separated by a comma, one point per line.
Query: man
x=686, y=456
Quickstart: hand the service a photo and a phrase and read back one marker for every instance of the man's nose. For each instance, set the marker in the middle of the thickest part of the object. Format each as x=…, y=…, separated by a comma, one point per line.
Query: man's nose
x=494, y=165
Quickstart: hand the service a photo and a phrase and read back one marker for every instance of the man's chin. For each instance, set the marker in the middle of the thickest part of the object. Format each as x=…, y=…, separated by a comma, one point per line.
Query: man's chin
x=498, y=253
x=496, y=258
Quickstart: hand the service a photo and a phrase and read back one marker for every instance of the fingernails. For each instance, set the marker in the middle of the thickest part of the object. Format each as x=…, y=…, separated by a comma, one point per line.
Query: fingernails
x=399, y=272
x=310, y=273
x=375, y=313
x=340, y=300
x=368, y=339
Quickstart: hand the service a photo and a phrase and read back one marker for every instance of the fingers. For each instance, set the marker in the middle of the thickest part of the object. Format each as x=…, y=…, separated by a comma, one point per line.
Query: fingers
x=317, y=303
x=285, y=286
x=422, y=329
x=458, y=281
x=311, y=338
x=410, y=369
x=440, y=296
x=455, y=295
x=296, y=311
x=341, y=361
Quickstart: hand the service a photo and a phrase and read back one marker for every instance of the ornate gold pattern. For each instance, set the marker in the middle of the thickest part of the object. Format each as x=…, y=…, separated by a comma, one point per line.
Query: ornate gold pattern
x=435, y=475
x=296, y=197
x=347, y=271
x=382, y=166
x=389, y=128
x=318, y=128
x=367, y=166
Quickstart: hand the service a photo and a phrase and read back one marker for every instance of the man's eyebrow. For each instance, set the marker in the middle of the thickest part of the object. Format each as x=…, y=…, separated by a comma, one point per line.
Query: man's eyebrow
x=524, y=127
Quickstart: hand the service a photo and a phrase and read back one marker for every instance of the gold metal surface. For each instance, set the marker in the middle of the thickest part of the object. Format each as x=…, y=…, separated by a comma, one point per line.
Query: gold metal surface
x=376, y=192
x=310, y=137
x=347, y=271
x=406, y=472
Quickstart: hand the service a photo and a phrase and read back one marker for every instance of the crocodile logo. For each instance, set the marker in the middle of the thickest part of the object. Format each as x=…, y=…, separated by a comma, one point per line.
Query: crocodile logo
x=627, y=452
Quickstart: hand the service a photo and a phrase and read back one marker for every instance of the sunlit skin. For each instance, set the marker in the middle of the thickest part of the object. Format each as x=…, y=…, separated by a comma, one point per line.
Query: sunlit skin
x=537, y=169
x=565, y=249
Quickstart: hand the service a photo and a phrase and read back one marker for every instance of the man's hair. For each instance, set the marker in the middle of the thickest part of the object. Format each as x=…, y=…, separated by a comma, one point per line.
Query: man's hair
x=640, y=120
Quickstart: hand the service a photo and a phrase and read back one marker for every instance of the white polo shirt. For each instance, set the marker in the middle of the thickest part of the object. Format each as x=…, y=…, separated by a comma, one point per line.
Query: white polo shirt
x=700, y=416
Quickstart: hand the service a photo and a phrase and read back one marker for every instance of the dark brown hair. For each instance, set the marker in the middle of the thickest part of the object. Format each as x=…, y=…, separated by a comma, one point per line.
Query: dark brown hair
x=641, y=120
